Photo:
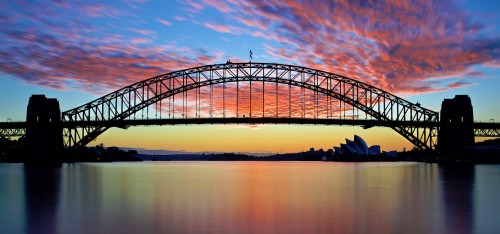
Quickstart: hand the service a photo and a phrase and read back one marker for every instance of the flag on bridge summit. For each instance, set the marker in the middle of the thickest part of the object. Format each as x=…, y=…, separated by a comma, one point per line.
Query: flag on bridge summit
x=251, y=55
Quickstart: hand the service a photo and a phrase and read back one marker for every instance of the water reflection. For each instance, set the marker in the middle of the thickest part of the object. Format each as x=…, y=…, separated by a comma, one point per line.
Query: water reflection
x=250, y=197
x=458, y=197
x=486, y=199
x=12, y=218
x=41, y=196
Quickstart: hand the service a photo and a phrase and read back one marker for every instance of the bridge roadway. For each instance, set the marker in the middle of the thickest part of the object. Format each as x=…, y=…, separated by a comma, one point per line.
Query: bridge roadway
x=486, y=129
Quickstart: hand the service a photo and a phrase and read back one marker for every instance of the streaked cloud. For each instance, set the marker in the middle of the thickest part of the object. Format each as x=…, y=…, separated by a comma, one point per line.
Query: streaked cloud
x=401, y=46
x=405, y=47
x=180, y=18
x=164, y=22
x=225, y=28
x=140, y=40
x=74, y=54
x=142, y=31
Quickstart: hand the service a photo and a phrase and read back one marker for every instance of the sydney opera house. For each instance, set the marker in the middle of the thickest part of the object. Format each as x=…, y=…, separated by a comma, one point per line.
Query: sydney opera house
x=357, y=147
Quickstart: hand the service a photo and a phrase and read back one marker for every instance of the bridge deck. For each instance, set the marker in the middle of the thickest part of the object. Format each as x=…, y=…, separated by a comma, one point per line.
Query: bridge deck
x=187, y=121
x=481, y=129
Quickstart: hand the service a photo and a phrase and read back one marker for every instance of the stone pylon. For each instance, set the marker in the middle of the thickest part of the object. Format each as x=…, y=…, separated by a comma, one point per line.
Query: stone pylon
x=44, y=138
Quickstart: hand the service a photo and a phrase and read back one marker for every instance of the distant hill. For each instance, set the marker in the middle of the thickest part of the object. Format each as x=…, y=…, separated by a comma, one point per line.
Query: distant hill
x=175, y=157
x=232, y=157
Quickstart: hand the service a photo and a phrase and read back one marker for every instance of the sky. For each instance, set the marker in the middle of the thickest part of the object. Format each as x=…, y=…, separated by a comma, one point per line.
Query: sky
x=76, y=51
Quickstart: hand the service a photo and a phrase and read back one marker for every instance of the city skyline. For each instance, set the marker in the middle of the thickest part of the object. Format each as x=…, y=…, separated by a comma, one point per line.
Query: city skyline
x=77, y=52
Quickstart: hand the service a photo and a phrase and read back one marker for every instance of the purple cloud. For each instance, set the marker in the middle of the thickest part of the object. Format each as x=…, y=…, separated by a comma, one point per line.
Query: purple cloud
x=401, y=46
x=71, y=54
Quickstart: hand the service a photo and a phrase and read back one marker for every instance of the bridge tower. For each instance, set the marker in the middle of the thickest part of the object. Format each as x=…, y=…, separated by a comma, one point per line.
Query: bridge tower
x=456, y=125
x=44, y=139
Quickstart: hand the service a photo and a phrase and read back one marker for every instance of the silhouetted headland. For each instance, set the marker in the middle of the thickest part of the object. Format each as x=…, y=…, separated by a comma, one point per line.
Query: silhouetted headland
x=12, y=151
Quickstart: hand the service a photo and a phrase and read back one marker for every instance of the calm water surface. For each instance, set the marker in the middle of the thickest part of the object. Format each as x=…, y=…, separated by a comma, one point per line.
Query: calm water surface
x=250, y=197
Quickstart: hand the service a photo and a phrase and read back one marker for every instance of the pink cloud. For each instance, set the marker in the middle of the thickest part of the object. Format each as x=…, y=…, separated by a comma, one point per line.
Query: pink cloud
x=96, y=67
x=219, y=5
x=395, y=44
x=194, y=6
x=100, y=10
x=137, y=1
x=493, y=64
x=142, y=31
x=180, y=18
x=459, y=84
x=253, y=23
x=140, y=40
x=224, y=28
x=164, y=22
x=400, y=46
x=60, y=49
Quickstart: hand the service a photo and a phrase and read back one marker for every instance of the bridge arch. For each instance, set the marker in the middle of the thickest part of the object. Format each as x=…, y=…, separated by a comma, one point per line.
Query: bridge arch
x=125, y=102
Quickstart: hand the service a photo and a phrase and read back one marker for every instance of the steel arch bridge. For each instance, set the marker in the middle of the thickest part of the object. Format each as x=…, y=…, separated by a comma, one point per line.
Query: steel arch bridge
x=226, y=91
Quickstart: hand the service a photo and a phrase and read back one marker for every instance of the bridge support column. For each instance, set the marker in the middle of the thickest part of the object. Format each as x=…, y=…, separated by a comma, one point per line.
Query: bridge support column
x=44, y=139
x=456, y=127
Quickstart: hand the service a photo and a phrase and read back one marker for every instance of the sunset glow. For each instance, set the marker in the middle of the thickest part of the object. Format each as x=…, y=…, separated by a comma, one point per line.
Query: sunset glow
x=423, y=51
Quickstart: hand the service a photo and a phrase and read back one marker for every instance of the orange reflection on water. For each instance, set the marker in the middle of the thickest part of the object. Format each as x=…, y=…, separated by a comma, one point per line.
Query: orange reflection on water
x=257, y=197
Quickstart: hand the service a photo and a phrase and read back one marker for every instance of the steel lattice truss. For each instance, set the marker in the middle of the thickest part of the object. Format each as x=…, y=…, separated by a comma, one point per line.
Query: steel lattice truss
x=12, y=132
x=488, y=132
x=193, y=92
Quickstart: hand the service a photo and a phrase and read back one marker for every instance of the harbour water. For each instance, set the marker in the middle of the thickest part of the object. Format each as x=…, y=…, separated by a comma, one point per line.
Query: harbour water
x=250, y=197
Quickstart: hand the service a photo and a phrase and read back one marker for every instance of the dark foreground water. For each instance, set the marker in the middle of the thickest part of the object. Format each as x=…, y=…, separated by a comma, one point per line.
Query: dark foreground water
x=250, y=197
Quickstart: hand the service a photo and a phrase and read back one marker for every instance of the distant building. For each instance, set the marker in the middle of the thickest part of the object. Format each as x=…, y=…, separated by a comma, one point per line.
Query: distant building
x=357, y=146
